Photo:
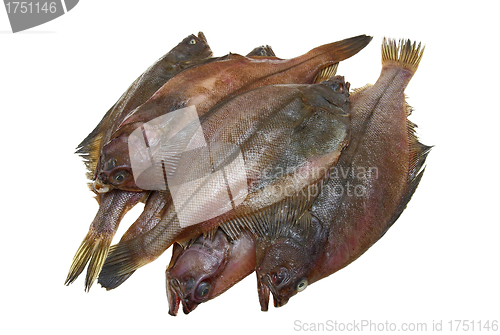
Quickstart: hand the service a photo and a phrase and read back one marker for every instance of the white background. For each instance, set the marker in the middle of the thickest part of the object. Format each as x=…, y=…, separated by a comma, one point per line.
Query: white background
x=438, y=262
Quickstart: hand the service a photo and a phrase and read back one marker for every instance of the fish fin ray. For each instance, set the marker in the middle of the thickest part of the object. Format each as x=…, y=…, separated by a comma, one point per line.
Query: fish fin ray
x=274, y=220
x=121, y=261
x=403, y=53
x=326, y=73
x=110, y=283
x=93, y=250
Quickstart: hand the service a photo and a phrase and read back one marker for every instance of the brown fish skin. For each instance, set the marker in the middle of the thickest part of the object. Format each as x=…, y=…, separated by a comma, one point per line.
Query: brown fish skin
x=207, y=268
x=209, y=84
x=94, y=248
x=381, y=138
x=190, y=52
x=270, y=136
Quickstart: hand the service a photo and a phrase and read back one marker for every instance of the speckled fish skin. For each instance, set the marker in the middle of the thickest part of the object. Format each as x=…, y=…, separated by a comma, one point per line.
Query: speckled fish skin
x=383, y=160
x=207, y=268
x=94, y=248
x=270, y=135
x=208, y=84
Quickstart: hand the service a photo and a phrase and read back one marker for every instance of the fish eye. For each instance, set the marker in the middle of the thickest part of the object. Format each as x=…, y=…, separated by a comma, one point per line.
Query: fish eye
x=301, y=285
x=119, y=176
x=203, y=289
x=192, y=41
x=336, y=87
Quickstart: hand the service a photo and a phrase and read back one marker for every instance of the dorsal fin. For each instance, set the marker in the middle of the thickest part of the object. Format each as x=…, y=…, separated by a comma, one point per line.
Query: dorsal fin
x=274, y=221
x=326, y=73
x=89, y=149
x=417, y=155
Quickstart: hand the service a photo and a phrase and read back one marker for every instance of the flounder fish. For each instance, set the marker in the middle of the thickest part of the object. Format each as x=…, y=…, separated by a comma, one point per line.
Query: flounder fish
x=370, y=186
x=207, y=268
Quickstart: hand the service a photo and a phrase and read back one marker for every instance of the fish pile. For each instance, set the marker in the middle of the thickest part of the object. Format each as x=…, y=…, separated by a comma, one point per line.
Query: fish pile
x=250, y=164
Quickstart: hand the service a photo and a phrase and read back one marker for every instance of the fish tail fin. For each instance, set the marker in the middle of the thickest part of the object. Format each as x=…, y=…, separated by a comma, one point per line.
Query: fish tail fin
x=121, y=261
x=92, y=250
x=338, y=51
x=80, y=260
x=110, y=283
x=404, y=54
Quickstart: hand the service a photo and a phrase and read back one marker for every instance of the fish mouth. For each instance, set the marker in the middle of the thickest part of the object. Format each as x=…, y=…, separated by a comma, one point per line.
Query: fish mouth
x=99, y=187
x=188, y=305
x=173, y=301
x=175, y=288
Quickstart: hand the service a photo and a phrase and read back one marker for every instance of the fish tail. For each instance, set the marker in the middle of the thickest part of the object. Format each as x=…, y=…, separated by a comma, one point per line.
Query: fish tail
x=335, y=52
x=99, y=255
x=121, y=261
x=93, y=250
x=404, y=54
x=80, y=259
x=110, y=283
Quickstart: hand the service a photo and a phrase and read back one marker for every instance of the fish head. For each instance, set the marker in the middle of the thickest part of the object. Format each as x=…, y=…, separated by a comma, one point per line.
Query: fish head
x=191, y=48
x=114, y=169
x=192, y=276
x=285, y=263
